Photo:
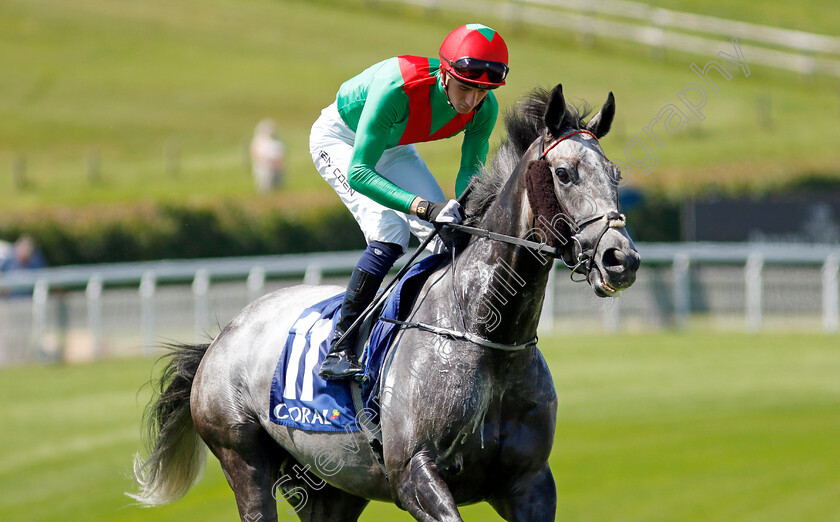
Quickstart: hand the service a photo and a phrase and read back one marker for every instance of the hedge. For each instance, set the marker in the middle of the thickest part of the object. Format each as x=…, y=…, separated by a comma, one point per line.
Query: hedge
x=166, y=231
x=147, y=232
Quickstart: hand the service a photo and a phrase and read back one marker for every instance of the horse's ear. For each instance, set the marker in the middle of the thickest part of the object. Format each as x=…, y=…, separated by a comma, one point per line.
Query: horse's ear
x=599, y=125
x=555, y=110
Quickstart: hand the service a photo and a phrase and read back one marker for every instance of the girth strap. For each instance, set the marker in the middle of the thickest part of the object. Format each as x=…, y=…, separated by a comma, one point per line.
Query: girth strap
x=370, y=428
x=465, y=336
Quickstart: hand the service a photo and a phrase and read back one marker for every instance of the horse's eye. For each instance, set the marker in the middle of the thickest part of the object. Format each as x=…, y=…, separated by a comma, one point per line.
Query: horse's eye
x=562, y=174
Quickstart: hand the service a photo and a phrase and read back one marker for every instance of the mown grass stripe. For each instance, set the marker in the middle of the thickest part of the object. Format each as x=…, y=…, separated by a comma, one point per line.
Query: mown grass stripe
x=654, y=427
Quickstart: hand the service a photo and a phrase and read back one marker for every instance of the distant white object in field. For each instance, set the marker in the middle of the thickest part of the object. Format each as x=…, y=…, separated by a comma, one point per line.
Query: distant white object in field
x=268, y=162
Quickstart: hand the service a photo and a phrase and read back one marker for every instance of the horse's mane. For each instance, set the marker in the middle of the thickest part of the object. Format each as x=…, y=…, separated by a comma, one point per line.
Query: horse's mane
x=524, y=122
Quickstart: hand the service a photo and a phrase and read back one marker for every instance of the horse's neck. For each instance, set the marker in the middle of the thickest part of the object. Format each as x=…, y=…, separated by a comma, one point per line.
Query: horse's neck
x=503, y=285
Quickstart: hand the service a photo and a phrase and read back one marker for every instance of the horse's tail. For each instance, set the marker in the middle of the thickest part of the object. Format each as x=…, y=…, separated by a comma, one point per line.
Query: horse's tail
x=176, y=452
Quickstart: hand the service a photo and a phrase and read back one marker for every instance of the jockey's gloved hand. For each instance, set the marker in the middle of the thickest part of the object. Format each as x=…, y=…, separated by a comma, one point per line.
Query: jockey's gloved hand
x=440, y=212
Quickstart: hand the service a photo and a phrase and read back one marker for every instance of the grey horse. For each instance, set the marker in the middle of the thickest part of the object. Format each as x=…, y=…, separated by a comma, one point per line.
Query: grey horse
x=467, y=403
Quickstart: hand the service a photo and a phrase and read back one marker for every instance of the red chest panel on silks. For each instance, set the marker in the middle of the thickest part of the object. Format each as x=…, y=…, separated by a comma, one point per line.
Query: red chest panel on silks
x=418, y=84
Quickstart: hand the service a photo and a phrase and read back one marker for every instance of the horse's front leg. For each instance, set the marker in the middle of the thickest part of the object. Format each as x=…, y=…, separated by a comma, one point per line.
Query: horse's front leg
x=423, y=493
x=529, y=498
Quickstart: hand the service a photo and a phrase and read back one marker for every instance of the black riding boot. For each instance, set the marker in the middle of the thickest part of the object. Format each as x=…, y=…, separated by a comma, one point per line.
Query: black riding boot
x=340, y=362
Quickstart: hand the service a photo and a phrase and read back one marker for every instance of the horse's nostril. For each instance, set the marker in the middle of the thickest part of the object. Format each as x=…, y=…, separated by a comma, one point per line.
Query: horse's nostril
x=613, y=257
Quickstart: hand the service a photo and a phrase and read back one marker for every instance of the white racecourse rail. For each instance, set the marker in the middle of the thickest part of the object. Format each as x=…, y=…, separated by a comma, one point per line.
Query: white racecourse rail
x=78, y=313
x=660, y=29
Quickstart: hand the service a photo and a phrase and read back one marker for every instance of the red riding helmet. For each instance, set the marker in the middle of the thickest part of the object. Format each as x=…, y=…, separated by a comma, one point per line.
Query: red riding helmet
x=475, y=54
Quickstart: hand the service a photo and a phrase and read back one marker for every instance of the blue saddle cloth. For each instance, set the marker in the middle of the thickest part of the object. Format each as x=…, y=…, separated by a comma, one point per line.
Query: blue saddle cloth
x=303, y=400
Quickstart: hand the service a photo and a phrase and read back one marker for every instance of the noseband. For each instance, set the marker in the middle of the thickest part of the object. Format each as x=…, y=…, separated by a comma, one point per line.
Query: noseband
x=586, y=258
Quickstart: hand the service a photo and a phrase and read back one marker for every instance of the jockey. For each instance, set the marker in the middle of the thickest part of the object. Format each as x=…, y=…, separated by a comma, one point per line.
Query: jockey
x=363, y=146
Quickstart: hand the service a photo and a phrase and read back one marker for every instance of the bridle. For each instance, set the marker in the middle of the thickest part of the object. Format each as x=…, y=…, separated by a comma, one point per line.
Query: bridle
x=613, y=219
x=566, y=135
x=585, y=259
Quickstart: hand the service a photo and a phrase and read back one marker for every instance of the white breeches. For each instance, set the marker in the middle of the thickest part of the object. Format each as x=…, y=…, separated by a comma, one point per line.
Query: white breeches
x=331, y=145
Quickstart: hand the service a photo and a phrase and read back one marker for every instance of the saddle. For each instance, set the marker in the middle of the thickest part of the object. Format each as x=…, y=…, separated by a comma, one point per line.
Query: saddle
x=303, y=400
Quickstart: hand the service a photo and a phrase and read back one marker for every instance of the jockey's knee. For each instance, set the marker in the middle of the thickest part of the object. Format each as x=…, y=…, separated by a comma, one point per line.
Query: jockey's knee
x=379, y=257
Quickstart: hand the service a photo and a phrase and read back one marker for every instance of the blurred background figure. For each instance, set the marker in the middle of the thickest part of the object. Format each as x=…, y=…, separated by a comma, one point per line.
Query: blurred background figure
x=6, y=250
x=24, y=255
x=267, y=157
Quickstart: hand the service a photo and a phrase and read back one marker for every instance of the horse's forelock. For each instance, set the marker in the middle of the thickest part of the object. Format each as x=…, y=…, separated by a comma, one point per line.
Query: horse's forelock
x=524, y=123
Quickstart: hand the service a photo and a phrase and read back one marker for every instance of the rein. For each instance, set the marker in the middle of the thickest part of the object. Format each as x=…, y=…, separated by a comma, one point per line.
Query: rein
x=611, y=220
x=513, y=240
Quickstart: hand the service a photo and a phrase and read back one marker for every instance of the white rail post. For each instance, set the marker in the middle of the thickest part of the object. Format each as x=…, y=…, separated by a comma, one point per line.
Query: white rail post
x=256, y=283
x=200, y=289
x=612, y=315
x=313, y=274
x=752, y=279
x=40, y=299
x=829, y=293
x=93, y=293
x=148, y=287
x=682, y=289
x=547, y=314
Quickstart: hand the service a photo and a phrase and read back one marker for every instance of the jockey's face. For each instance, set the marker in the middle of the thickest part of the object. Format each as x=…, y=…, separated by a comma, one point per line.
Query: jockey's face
x=463, y=97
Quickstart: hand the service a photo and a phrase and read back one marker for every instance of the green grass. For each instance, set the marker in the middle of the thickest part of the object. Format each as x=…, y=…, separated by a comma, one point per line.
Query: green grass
x=651, y=427
x=125, y=80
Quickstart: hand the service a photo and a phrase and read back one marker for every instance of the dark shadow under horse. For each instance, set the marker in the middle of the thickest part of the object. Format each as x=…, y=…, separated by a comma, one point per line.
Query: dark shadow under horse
x=463, y=419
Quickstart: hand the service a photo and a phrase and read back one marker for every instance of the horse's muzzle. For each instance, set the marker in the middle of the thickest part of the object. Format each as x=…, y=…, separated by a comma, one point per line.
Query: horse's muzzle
x=615, y=266
x=620, y=266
